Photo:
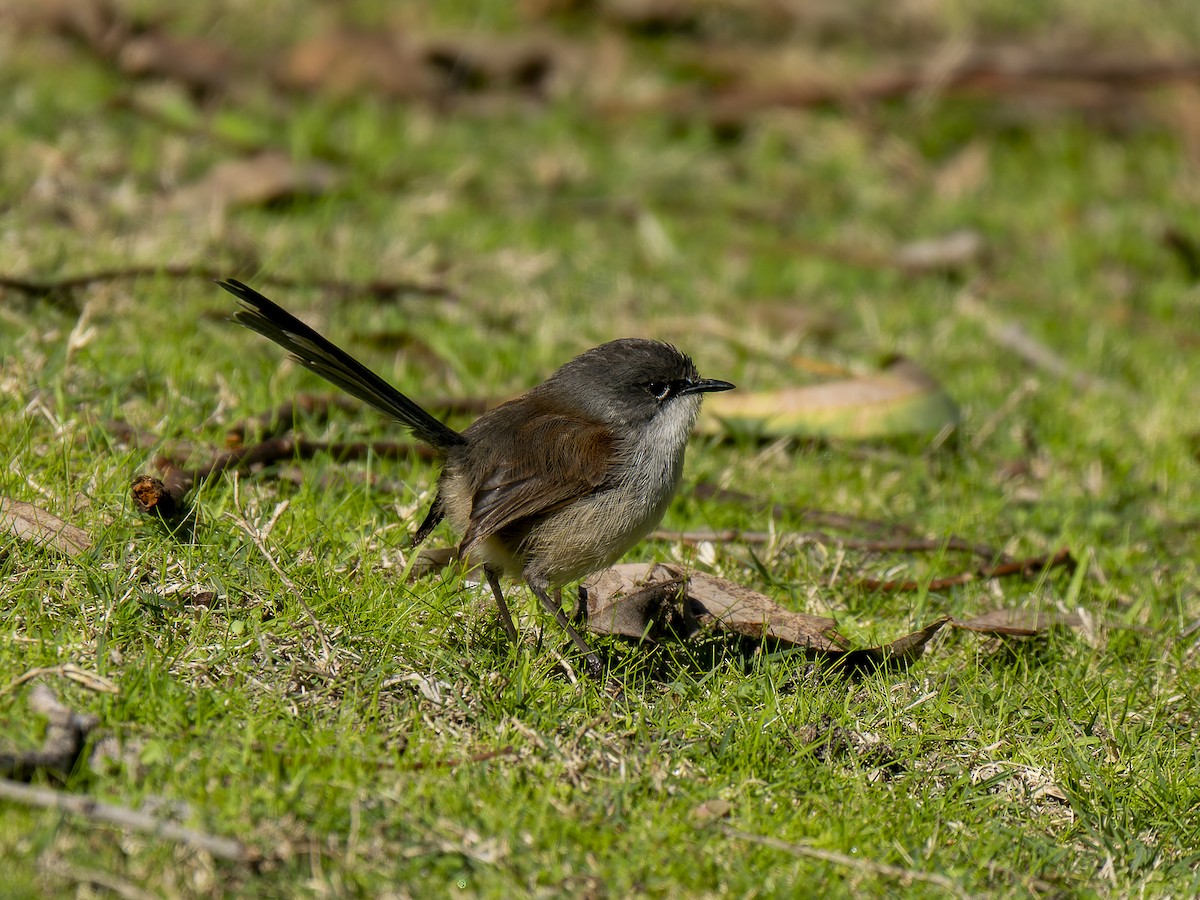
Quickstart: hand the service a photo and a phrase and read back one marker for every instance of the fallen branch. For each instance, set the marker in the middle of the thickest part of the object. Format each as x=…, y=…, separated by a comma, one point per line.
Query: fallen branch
x=165, y=496
x=1026, y=568
x=379, y=289
x=278, y=421
x=125, y=818
x=983, y=71
x=897, y=531
x=868, y=545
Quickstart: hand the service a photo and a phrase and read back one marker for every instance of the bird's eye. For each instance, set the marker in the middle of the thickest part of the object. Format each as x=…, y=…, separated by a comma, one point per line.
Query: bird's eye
x=660, y=390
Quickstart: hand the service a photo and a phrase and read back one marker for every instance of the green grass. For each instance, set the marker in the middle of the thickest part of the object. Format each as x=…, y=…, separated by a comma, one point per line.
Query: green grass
x=403, y=748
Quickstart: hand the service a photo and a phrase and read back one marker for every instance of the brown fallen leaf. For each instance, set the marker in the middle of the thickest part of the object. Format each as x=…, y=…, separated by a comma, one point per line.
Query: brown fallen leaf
x=266, y=178
x=29, y=523
x=654, y=601
x=639, y=601
x=1025, y=568
x=659, y=601
x=734, y=607
x=896, y=656
x=900, y=399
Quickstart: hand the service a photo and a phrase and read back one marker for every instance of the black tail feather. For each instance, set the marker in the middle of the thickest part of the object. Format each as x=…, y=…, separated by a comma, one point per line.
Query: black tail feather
x=335, y=365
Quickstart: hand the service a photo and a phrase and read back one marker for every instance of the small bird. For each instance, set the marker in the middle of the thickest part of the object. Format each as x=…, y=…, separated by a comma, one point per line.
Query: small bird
x=549, y=487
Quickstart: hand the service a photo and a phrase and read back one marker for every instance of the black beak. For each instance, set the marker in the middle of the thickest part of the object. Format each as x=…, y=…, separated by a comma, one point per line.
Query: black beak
x=704, y=386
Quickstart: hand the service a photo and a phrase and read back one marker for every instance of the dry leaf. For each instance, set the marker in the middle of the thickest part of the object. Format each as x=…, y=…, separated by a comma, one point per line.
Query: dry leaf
x=29, y=523
x=901, y=399
x=639, y=600
x=656, y=600
x=719, y=602
x=896, y=656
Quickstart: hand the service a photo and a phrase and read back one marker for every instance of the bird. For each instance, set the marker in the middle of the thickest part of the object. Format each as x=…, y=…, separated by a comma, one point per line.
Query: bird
x=549, y=487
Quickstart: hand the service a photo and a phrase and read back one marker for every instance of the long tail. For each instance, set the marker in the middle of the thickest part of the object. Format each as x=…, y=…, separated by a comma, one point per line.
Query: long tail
x=335, y=365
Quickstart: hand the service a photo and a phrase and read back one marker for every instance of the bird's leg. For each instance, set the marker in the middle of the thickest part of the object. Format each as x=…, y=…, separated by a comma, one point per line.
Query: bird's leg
x=538, y=586
x=510, y=629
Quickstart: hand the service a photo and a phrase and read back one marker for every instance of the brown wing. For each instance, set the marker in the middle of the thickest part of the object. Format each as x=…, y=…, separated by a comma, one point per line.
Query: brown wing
x=550, y=461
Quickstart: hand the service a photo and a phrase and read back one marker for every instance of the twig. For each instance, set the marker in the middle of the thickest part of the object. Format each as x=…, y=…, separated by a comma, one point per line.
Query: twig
x=177, y=480
x=868, y=866
x=826, y=518
x=123, y=817
x=379, y=289
x=1002, y=412
x=281, y=448
x=279, y=420
x=982, y=71
x=869, y=545
x=89, y=680
x=1014, y=337
x=1027, y=567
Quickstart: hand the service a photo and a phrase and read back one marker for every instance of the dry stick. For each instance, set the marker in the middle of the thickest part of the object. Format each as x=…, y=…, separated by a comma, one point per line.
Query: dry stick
x=278, y=421
x=380, y=289
x=1003, y=412
x=984, y=72
x=282, y=448
x=1014, y=337
x=123, y=817
x=1025, y=567
x=852, y=862
x=829, y=519
x=277, y=449
x=886, y=545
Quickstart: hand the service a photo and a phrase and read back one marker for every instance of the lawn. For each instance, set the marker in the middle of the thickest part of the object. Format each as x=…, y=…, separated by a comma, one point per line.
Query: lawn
x=287, y=699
